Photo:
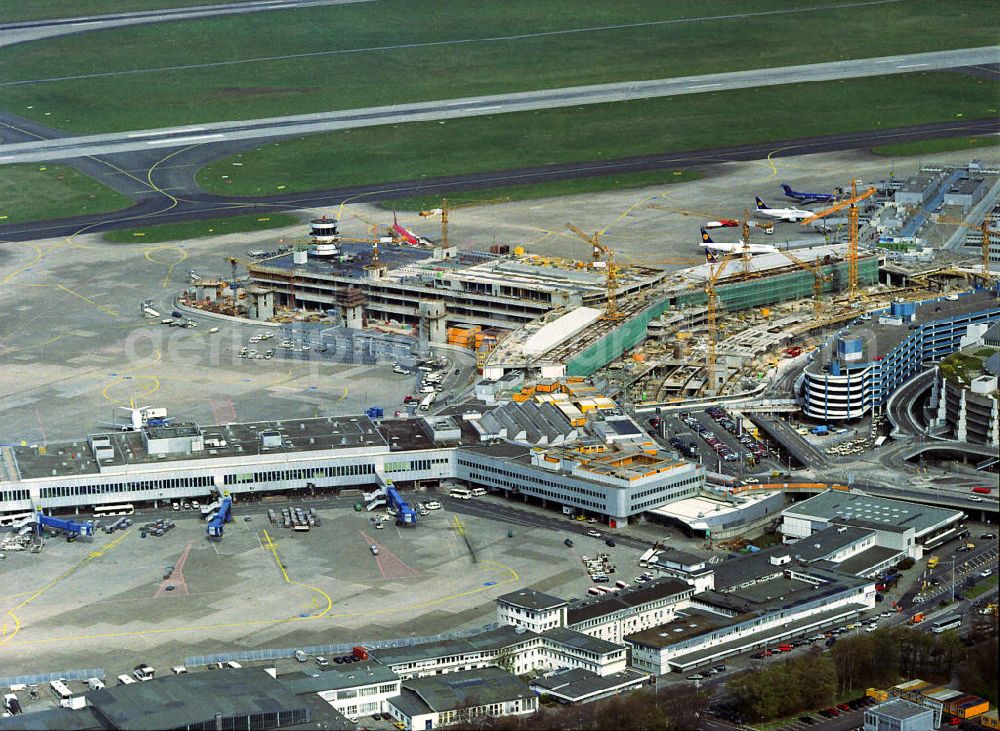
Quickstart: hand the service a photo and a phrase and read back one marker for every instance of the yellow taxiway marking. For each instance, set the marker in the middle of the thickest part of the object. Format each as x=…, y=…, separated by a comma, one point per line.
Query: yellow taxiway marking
x=512, y=578
x=8, y=636
x=169, y=264
x=38, y=257
x=102, y=308
x=151, y=379
x=270, y=545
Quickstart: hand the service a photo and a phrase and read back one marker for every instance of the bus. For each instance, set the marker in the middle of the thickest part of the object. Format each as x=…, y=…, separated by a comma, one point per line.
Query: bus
x=301, y=528
x=943, y=625
x=425, y=405
x=60, y=690
x=101, y=511
x=461, y=493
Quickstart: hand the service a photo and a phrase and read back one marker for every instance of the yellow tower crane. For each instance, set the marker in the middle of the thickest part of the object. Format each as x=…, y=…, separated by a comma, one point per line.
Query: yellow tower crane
x=611, y=310
x=446, y=208
x=819, y=278
x=986, y=231
x=852, y=226
x=712, y=305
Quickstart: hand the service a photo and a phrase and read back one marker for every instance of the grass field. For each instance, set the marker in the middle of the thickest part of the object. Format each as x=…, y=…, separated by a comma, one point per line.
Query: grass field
x=940, y=144
x=32, y=192
x=598, y=132
x=12, y=11
x=981, y=588
x=395, y=51
x=199, y=229
x=546, y=190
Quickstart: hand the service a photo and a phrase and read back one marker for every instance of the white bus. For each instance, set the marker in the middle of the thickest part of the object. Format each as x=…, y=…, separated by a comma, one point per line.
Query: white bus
x=428, y=400
x=478, y=491
x=943, y=625
x=461, y=493
x=101, y=511
x=880, y=441
x=60, y=690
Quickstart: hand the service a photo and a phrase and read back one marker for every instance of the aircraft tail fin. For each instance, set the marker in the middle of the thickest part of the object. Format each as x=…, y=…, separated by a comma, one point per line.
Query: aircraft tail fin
x=788, y=189
x=711, y=257
x=760, y=204
x=705, y=238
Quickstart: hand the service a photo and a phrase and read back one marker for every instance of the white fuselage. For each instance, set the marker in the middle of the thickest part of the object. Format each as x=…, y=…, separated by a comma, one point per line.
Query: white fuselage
x=785, y=214
x=738, y=248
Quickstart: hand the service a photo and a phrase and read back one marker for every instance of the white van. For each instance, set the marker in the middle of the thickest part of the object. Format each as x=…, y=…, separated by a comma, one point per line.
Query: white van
x=125, y=680
x=95, y=683
x=427, y=389
x=300, y=656
x=461, y=493
x=478, y=491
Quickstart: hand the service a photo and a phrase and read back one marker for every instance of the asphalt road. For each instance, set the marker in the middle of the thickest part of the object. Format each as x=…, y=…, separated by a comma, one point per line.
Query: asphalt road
x=36, y=30
x=304, y=124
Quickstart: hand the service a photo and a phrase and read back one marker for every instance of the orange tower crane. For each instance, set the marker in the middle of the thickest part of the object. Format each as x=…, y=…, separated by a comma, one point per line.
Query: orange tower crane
x=986, y=231
x=818, y=279
x=852, y=226
x=611, y=311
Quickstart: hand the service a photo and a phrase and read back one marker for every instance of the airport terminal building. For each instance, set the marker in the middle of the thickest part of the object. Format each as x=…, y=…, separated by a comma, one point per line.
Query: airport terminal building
x=614, y=479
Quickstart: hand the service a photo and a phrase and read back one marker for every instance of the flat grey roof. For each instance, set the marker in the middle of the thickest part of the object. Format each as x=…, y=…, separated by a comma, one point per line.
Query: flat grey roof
x=492, y=640
x=865, y=511
x=590, y=608
x=53, y=719
x=337, y=677
x=867, y=559
x=899, y=709
x=688, y=623
x=478, y=687
x=577, y=684
x=580, y=641
x=193, y=698
x=241, y=439
x=829, y=540
x=532, y=599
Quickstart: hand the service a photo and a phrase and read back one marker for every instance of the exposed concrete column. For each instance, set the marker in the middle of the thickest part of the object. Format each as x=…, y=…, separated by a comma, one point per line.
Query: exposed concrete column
x=993, y=433
x=942, y=395
x=962, y=427
x=432, y=321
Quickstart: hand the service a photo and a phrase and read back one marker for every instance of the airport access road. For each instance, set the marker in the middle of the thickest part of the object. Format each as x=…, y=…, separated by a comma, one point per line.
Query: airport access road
x=305, y=124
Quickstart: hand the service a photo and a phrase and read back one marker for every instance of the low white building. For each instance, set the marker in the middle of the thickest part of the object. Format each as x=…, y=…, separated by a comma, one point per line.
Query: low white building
x=613, y=616
x=461, y=697
x=566, y=648
x=532, y=610
x=355, y=690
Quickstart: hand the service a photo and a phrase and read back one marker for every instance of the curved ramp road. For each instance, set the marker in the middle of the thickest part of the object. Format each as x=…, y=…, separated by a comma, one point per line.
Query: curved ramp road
x=107, y=144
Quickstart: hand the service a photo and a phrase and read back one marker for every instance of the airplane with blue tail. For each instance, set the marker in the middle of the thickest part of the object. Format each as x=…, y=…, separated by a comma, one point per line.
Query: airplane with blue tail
x=807, y=197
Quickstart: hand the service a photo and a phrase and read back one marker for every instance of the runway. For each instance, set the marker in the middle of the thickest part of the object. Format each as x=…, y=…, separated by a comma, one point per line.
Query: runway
x=52, y=150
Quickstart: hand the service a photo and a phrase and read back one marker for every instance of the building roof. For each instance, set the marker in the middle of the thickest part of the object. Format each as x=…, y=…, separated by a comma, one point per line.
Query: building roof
x=688, y=623
x=867, y=511
x=577, y=684
x=467, y=688
x=53, y=719
x=192, y=698
x=899, y=709
x=532, y=599
x=579, y=641
x=495, y=639
x=823, y=543
x=338, y=677
x=868, y=559
x=591, y=608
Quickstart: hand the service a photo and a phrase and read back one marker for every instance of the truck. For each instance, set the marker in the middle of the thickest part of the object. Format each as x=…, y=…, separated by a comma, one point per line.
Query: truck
x=932, y=562
x=425, y=405
x=982, y=490
x=143, y=672
x=820, y=430
x=359, y=652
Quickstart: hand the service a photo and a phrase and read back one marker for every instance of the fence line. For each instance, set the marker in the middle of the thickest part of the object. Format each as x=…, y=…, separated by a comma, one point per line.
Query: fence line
x=47, y=677
x=341, y=649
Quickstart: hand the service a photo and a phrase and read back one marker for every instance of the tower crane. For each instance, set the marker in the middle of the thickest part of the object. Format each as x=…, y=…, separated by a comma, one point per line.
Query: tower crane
x=712, y=304
x=447, y=208
x=611, y=310
x=852, y=226
x=819, y=278
x=986, y=231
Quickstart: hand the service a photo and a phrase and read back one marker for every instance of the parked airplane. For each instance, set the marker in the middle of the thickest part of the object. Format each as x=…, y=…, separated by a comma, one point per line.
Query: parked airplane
x=737, y=248
x=401, y=233
x=140, y=416
x=808, y=197
x=722, y=223
x=781, y=214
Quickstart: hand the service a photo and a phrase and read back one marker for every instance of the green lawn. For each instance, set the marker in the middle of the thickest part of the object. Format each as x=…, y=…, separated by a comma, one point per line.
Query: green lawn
x=394, y=51
x=616, y=181
x=598, y=132
x=39, y=192
x=938, y=144
x=981, y=588
x=12, y=11
x=200, y=229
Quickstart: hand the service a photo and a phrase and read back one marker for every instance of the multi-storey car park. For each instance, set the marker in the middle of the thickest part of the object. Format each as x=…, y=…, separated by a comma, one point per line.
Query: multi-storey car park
x=616, y=476
x=859, y=368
